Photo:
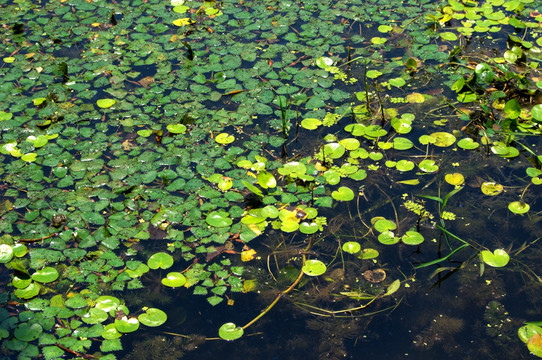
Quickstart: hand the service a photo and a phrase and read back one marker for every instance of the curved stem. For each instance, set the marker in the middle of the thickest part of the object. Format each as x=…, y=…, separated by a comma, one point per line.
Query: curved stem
x=282, y=293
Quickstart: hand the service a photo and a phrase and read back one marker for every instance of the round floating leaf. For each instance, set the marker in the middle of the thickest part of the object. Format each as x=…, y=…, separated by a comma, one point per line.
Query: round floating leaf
x=107, y=303
x=310, y=123
x=29, y=292
x=373, y=74
x=174, y=279
x=404, y=165
x=110, y=332
x=350, y=144
x=176, y=128
x=368, y=254
x=30, y=157
x=448, y=36
x=314, y=267
x=467, y=144
x=382, y=225
x=218, y=219
x=385, y=28
x=401, y=143
x=397, y=82
x=324, y=62
x=428, y=166
x=497, y=258
x=224, y=138
x=94, y=316
x=266, y=180
x=144, y=132
x=388, y=238
x=308, y=228
x=343, y=194
x=160, y=260
x=378, y=40
x=454, y=179
x=230, y=331
x=27, y=332
x=46, y=275
x=518, y=207
x=527, y=331
x=126, y=324
x=443, y=139
x=352, y=247
x=536, y=112
x=412, y=238
x=6, y=253
x=183, y=22
x=491, y=188
x=105, y=103
x=152, y=317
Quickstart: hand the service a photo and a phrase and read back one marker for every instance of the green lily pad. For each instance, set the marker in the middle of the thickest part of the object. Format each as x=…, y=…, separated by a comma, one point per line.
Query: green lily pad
x=491, y=188
x=29, y=292
x=343, y=194
x=224, y=138
x=382, y=225
x=218, y=219
x=497, y=258
x=95, y=316
x=351, y=247
x=230, y=331
x=412, y=238
x=518, y=207
x=308, y=228
x=404, y=165
x=152, y=317
x=527, y=331
x=266, y=180
x=126, y=324
x=160, y=260
x=443, y=139
x=467, y=144
x=176, y=128
x=28, y=332
x=388, y=238
x=397, y=82
x=30, y=157
x=368, y=254
x=174, y=279
x=428, y=166
x=46, y=275
x=314, y=267
x=107, y=303
x=6, y=253
x=310, y=123
x=105, y=103
x=110, y=332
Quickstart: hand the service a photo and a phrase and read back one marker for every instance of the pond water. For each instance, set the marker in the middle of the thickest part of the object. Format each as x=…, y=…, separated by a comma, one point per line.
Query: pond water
x=365, y=175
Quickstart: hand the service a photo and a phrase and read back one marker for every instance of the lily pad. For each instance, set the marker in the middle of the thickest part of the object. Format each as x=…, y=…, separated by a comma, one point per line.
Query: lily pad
x=351, y=247
x=314, y=267
x=443, y=139
x=94, y=316
x=491, y=188
x=467, y=144
x=6, y=253
x=106, y=103
x=454, y=178
x=308, y=228
x=311, y=123
x=28, y=332
x=126, y=324
x=497, y=258
x=160, y=260
x=428, y=166
x=518, y=207
x=110, y=332
x=107, y=303
x=174, y=279
x=176, y=128
x=218, y=219
x=46, y=275
x=152, y=317
x=224, y=138
x=230, y=331
x=343, y=194
x=412, y=238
